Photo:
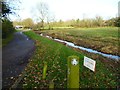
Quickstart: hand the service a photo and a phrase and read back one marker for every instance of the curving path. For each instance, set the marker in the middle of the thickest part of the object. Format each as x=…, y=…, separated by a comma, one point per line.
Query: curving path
x=15, y=58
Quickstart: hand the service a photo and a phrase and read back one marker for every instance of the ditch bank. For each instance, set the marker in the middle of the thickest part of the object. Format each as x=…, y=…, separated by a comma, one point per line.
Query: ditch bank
x=107, y=44
x=114, y=57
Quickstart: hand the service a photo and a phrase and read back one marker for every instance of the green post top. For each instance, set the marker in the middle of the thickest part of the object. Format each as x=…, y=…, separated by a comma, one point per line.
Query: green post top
x=51, y=85
x=73, y=72
x=44, y=70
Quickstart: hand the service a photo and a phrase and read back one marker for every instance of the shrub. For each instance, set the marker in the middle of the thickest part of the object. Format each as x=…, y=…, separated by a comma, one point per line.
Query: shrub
x=7, y=28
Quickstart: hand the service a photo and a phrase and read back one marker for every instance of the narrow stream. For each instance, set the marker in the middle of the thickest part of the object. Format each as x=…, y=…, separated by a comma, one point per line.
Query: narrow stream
x=86, y=49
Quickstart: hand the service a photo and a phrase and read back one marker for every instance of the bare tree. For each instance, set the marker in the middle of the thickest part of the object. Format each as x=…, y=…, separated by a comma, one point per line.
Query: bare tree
x=42, y=11
x=50, y=18
x=99, y=21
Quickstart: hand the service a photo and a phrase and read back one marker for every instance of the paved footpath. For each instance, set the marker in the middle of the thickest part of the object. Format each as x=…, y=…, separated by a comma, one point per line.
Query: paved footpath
x=15, y=58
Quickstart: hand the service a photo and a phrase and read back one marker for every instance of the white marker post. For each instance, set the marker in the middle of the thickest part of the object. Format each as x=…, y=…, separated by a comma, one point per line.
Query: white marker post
x=89, y=63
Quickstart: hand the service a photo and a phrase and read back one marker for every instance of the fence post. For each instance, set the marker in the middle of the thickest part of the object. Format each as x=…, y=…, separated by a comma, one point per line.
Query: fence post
x=44, y=70
x=73, y=72
x=51, y=85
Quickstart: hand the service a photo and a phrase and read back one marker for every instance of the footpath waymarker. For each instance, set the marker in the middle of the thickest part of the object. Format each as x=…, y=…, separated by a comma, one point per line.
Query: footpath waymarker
x=44, y=70
x=73, y=72
x=51, y=85
x=89, y=63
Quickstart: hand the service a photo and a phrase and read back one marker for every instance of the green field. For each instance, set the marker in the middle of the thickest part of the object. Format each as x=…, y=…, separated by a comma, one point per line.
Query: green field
x=55, y=54
x=103, y=39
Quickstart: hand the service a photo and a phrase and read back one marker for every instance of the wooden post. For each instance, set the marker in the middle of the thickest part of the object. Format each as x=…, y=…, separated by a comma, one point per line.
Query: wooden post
x=44, y=70
x=51, y=85
x=73, y=72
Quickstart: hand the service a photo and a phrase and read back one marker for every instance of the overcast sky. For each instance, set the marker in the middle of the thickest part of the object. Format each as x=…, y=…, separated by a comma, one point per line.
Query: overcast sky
x=71, y=9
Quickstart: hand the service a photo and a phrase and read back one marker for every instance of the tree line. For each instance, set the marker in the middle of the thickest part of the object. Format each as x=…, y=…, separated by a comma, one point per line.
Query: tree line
x=47, y=21
x=87, y=22
x=7, y=25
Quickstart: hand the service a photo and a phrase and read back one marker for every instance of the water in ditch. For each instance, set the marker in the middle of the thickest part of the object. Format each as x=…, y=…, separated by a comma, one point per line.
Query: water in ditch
x=86, y=49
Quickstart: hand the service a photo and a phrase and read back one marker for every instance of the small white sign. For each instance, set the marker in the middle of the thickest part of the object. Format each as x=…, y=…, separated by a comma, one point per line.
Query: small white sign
x=89, y=63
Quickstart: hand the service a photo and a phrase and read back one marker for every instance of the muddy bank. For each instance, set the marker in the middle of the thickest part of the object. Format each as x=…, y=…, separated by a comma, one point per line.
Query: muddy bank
x=98, y=44
x=104, y=47
x=87, y=49
x=75, y=45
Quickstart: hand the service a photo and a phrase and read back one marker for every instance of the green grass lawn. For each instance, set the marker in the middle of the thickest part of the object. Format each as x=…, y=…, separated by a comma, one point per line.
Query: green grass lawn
x=104, y=39
x=55, y=54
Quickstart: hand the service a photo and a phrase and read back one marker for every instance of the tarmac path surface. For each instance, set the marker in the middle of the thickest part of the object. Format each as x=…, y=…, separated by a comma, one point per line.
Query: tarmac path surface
x=15, y=57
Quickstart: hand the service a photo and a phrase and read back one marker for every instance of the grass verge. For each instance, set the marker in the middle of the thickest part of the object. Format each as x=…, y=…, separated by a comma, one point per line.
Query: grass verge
x=7, y=40
x=55, y=54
